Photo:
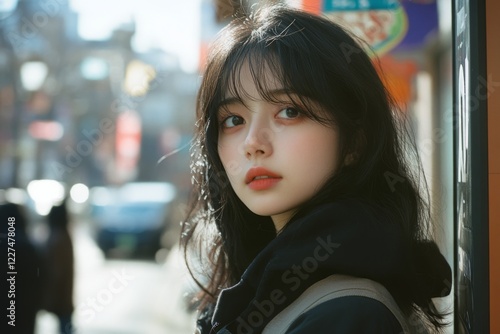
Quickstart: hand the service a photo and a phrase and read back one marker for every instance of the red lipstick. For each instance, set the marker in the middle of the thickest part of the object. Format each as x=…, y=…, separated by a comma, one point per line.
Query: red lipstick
x=259, y=178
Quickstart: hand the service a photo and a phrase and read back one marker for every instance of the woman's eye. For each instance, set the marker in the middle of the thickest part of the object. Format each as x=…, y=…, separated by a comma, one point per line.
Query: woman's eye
x=232, y=121
x=289, y=113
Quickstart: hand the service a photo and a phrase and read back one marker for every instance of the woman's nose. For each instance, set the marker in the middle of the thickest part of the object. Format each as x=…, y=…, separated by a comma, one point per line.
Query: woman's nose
x=258, y=142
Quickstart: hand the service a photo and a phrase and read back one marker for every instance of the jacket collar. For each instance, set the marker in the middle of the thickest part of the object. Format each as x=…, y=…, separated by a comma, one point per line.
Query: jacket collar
x=345, y=237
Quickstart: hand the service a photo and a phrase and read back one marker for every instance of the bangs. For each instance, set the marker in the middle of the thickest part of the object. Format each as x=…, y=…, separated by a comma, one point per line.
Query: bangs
x=274, y=82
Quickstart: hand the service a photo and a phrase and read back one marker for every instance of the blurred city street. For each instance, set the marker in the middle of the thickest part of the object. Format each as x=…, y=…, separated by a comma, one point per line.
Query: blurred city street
x=123, y=296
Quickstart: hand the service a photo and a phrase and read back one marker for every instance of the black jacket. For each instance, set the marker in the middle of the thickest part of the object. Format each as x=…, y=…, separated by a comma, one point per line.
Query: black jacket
x=346, y=237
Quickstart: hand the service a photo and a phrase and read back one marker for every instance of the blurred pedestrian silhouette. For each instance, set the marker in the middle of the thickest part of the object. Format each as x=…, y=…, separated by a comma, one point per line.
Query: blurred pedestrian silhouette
x=22, y=263
x=59, y=269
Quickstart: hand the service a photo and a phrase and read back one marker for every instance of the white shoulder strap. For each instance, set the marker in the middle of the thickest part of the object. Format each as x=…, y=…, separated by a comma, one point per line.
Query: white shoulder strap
x=334, y=286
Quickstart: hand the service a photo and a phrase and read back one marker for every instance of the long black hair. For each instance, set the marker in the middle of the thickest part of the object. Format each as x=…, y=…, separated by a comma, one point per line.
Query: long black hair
x=315, y=59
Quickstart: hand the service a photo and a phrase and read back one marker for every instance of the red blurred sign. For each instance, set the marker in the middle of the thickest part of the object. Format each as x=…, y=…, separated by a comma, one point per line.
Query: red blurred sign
x=128, y=144
x=46, y=130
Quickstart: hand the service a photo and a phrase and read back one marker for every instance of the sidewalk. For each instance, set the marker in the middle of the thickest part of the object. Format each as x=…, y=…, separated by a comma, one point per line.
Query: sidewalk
x=123, y=296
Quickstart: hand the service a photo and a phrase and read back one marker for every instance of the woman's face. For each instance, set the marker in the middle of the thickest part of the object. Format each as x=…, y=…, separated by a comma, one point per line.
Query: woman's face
x=275, y=158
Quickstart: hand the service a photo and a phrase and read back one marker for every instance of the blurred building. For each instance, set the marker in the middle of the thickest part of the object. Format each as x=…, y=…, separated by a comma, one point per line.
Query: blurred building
x=88, y=110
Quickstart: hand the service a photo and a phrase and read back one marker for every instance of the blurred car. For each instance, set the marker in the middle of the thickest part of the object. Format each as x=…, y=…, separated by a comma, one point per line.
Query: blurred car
x=130, y=220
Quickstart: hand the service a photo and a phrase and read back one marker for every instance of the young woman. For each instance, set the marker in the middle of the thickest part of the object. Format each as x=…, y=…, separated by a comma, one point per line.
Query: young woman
x=301, y=172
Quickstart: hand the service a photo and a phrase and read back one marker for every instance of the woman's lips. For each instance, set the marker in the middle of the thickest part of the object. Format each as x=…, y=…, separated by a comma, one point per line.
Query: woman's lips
x=260, y=178
x=264, y=183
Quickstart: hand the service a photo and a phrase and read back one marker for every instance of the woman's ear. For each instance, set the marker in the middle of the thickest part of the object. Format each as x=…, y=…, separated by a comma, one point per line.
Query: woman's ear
x=357, y=147
x=351, y=159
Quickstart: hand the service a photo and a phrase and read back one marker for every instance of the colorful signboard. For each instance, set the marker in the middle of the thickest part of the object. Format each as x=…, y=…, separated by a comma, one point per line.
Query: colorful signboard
x=340, y=5
x=381, y=29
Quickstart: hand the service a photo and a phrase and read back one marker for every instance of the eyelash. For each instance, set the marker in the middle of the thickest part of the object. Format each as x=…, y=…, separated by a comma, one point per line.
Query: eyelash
x=222, y=123
x=299, y=113
x=226, y=118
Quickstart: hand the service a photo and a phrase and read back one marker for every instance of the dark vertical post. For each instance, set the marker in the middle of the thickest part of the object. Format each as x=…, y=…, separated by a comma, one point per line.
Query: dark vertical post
x=471, y=168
